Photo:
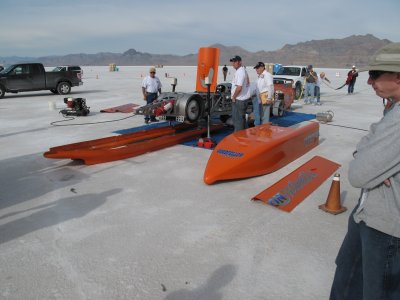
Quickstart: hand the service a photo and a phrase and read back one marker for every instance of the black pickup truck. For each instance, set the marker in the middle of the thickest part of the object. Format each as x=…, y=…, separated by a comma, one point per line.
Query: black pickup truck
x=26, y=77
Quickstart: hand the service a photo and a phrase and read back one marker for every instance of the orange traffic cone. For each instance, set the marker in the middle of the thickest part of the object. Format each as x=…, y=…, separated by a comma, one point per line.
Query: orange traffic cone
x=332, y=204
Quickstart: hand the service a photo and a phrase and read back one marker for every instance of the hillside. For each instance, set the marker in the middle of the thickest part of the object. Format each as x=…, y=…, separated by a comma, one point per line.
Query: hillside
x=334, y=53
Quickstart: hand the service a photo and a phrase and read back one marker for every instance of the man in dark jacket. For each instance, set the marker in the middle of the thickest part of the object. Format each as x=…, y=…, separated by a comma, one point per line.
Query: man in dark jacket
x=351, y=79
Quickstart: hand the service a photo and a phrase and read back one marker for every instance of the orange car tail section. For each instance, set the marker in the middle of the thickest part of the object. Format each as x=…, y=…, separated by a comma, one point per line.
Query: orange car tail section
x=259, y=150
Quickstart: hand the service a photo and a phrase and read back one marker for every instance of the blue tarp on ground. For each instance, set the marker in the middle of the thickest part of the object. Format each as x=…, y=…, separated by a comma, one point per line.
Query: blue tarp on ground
x=289, y=119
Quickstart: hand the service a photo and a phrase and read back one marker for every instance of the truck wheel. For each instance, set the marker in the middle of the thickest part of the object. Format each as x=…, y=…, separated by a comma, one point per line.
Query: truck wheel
x=2, y=91
x=278, y=108
x=297, y=91
x=193, y=110
x=63, y=88
x=54, y=91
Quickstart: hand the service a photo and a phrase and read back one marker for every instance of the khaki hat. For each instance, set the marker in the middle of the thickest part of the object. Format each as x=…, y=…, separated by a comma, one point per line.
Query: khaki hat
x=385, y=59
x=152, y=69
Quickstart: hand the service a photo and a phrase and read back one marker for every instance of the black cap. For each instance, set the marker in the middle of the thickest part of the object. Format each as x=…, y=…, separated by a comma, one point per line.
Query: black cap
x=259, y=64
x=309, y=67
x=236, y=58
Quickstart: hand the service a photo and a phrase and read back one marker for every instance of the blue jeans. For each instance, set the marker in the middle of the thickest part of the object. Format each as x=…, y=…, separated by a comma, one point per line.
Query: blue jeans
x=310, y=87
x=368, y=265
x=239, y=108
x=256, y=110
x=317, y=93
x=266, y=111
x=350, y=88
x=149, y=99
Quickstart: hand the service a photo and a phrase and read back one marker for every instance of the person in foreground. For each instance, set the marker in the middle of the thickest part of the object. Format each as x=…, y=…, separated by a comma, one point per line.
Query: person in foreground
x=368, y=262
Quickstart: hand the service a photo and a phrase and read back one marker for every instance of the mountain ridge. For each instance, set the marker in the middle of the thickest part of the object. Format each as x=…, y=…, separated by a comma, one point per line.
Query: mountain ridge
x=334, y=53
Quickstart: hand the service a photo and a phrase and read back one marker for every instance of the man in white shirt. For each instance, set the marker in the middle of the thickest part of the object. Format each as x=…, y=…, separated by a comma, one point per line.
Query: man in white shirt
x=265, y=91
x=240, y=94
x=151, y=86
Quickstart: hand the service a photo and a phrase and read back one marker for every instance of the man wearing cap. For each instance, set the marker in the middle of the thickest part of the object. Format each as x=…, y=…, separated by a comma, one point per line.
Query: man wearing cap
x=240, y=94
x=151, y=86
x=311, y=78
x=368, y=262
x=351, y=79
x=265, y=91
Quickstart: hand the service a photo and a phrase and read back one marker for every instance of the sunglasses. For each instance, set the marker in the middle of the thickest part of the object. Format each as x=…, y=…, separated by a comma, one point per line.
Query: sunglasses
x=152, y=72
x=374, y=75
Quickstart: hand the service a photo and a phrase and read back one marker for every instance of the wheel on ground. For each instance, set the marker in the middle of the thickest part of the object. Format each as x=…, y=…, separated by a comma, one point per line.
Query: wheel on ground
x=278, y=109
x=2, y=91
x=297, y=91
x=193, y=110
x=63, y=88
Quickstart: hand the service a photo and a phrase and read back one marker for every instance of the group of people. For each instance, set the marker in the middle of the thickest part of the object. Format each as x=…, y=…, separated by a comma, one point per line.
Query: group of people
x=260, y=94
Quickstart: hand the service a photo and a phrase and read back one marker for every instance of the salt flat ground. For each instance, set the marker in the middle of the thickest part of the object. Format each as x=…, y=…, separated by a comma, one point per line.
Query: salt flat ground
x=148, y=227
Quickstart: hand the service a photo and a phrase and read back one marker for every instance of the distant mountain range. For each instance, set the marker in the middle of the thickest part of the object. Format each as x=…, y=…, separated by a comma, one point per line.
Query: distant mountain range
x=333, y=53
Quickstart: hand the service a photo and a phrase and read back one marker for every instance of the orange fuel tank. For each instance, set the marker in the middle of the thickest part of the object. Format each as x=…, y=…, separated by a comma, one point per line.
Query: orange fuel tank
x=259, y=150
x=207, y=66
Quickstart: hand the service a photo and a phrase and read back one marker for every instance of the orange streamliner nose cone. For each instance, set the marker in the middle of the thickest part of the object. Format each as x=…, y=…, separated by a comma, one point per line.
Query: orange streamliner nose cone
x=259, y=150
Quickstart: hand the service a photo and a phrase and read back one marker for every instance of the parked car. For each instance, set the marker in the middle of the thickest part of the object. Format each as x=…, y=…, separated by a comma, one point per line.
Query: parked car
x=25, y=77
x=295, y=73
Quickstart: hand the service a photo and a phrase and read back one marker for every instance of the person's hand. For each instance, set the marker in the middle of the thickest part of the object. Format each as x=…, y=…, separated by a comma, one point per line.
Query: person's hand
x=387, y=182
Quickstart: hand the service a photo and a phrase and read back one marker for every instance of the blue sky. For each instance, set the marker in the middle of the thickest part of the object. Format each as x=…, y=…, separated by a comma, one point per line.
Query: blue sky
x=54, y=27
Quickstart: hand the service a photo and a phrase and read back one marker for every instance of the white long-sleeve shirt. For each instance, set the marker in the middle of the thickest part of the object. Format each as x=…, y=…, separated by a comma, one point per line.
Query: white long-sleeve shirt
x=265, y=83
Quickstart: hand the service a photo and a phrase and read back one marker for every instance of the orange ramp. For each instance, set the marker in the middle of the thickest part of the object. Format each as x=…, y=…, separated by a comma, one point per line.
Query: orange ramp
x=291, y=190
x=126, y=108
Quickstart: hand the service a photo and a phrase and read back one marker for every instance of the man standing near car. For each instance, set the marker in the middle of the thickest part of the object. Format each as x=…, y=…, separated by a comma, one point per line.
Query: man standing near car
x=265, y=91
x=151, y=86
x=240, y=94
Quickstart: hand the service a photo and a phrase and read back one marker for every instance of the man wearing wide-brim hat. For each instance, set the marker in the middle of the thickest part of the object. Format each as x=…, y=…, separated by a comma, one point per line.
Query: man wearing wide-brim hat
x=368, y=262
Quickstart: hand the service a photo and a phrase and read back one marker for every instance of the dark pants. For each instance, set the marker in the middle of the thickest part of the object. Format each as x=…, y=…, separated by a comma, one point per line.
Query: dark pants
x=350, y=88
x=368, y=265
x=149, y=99
x=239, y=108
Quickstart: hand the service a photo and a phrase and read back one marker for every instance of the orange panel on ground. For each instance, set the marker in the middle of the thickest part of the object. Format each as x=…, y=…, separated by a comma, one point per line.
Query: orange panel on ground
x=126, y=108
x=288, y=192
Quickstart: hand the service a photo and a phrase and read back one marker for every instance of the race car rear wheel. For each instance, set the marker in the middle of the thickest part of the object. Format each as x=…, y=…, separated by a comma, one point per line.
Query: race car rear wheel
x=193, y=110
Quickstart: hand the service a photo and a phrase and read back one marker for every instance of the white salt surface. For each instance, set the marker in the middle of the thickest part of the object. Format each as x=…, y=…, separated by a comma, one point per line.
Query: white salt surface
x=148, y=227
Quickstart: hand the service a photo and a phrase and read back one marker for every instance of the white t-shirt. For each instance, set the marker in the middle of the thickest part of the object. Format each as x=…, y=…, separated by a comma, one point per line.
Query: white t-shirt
x=152, y=85
x=265, y=83
x=241, y=78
